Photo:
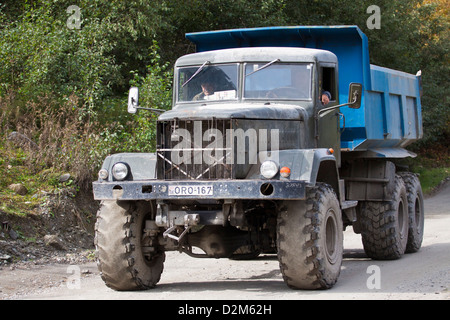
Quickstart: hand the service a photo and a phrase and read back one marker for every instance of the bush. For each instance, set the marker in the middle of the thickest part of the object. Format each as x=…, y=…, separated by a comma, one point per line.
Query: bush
x=63, y=140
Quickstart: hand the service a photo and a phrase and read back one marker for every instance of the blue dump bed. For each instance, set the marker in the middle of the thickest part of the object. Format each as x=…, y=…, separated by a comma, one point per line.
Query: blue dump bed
x=390, y=113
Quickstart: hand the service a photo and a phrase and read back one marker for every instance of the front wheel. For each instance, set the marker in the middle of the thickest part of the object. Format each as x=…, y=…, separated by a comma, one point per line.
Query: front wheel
x=310, y=239
x=127, y=259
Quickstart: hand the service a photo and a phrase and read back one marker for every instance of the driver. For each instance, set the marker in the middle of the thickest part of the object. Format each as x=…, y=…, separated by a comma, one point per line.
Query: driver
x=208, y=88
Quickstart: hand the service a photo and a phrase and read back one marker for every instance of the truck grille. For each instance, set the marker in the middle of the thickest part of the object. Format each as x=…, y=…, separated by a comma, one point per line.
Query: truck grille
x=194, y=150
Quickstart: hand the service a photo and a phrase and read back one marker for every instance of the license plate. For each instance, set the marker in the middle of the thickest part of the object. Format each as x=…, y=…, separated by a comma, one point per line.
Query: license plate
x=191, y=190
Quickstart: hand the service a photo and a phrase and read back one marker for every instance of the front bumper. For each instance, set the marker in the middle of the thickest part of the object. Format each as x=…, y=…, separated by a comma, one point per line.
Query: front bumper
x=218, y=189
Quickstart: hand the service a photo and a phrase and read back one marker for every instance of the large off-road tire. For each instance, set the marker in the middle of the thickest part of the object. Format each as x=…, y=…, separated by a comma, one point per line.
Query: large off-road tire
x=384, y=225
x=119, y=240
x=415, y=211
x=310, y=239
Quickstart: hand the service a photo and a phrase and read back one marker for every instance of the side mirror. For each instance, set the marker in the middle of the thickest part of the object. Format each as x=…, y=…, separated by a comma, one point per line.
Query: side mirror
x=133, y=100
x=354, y=95
x=354, y=99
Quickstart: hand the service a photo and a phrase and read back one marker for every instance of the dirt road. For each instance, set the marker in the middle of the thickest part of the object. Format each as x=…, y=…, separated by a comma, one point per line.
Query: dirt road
x=423, y=275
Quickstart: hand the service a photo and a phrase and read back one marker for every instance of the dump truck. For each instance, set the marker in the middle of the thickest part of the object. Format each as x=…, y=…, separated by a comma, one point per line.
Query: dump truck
x=279, y=139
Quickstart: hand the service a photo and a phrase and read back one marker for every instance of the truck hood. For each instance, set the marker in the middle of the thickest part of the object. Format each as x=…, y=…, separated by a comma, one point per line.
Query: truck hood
x=236, y=111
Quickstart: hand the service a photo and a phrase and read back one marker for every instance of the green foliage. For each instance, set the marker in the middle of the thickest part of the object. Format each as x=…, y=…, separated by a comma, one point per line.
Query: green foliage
x=65, y=88
x=181, y=16
x=41, y=55
x=155, y=92
x=137, y=133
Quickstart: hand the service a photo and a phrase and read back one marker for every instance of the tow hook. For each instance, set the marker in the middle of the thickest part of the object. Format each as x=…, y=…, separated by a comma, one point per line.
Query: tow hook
x=189, y=220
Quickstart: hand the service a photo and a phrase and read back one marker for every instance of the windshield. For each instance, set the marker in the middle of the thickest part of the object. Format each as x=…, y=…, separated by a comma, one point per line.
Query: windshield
x=207, y=82
x=278, y=81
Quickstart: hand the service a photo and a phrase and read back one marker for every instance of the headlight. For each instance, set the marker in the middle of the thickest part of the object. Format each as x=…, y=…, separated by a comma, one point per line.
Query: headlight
x=269, y=169
x=120, y=171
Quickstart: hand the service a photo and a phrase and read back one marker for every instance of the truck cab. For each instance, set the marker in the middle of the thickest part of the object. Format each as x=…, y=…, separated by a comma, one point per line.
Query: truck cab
x=253, y=89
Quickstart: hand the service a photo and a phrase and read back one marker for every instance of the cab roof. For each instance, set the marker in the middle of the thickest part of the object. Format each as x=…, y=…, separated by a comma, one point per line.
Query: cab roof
x=258, y=54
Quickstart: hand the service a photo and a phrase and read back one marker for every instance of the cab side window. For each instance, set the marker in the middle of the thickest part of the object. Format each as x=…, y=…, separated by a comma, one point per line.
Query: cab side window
x=328, y=81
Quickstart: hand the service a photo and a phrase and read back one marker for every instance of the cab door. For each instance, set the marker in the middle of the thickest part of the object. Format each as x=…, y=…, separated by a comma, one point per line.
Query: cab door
x=328, y=124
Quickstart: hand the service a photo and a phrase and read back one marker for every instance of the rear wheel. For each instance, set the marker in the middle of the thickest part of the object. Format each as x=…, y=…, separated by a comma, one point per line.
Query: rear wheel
x=384, y=225
x=415, y=211
x=127, y=259
x=310, y=240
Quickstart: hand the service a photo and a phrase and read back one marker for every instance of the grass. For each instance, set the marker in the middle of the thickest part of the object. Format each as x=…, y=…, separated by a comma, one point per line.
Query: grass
x=14, y=169
x=430, y=178
x=432, y=165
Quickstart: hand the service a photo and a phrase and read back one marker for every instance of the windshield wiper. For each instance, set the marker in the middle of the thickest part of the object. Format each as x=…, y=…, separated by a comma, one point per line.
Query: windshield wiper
x=196, y=73
x=263, y=67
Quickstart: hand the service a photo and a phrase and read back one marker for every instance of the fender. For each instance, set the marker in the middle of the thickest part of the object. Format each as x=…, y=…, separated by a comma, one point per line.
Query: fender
x=309, y=165
x=142, y=165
